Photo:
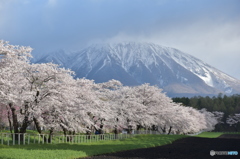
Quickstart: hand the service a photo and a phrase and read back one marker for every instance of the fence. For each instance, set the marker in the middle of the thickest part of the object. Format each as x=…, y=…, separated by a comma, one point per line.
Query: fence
x=197, y=133
x=146, y=132
x=22, y=139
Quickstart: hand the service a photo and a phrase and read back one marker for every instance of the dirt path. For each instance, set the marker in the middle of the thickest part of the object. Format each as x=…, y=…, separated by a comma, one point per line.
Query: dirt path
x=187, y=148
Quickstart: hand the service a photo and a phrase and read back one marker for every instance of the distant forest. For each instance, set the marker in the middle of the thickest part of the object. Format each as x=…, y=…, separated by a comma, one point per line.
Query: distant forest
x=229, y=105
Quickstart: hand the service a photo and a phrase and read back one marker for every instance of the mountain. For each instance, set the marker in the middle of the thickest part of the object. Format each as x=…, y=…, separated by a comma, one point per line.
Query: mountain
x=60, y=57
x=177, y=73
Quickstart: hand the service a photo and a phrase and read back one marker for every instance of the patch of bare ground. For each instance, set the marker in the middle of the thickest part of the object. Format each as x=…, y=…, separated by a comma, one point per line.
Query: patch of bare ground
x=186, y=148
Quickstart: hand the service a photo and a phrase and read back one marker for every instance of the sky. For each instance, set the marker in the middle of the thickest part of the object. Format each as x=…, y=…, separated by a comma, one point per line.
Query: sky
x=206, y=29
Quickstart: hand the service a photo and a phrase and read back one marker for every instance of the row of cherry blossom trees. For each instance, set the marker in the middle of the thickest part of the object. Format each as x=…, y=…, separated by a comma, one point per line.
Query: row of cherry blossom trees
x=48, y=96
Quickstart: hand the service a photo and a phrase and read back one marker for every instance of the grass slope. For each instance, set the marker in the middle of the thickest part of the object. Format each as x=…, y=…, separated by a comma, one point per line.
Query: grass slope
x=214, y=134
x=210, y=134
x=69, y=151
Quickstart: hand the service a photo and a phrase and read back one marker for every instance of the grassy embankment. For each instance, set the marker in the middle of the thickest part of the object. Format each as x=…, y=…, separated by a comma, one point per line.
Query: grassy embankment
x=214, y=134
x=210, y=134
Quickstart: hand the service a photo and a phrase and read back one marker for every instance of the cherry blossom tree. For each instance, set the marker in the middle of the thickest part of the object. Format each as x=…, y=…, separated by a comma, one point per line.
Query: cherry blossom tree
x=105, y=114
x=210, y=118
x=84, y=105
x=45, y=90
x=31, y=90
x=233, y=120
x=13, y=61
x=218, y=116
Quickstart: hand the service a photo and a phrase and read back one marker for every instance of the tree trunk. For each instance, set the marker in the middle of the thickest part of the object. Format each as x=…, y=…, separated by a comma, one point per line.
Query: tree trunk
x=66, y=132
x=88, y=133
x=25, y=124
x=129, y=129
x=14, y=117
x=15, y=120
x=9, y=120
x=163, y=129
x=70, y=138
x=50, y=135
x=154, y=128
x=26, y=121
x=169, y=131
x=37, y=124
x=38, y=127
x=116, y=132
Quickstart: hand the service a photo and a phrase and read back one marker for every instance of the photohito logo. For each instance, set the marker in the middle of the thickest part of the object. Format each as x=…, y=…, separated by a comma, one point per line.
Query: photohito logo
x=232, y=153
x=212, y=152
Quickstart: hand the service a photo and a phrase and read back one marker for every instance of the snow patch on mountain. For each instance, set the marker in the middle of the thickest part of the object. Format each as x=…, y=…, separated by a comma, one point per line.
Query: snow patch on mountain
x=202, y=70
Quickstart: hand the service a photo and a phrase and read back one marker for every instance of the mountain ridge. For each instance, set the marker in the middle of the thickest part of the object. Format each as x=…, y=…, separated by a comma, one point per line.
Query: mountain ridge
x=135, y=63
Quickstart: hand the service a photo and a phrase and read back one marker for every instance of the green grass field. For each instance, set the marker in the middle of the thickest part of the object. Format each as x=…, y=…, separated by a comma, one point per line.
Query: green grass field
x=69, y=151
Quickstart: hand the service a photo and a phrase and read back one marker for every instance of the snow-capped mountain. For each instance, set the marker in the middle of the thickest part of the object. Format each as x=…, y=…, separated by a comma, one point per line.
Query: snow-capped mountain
x=59, y=57
x=177, y=73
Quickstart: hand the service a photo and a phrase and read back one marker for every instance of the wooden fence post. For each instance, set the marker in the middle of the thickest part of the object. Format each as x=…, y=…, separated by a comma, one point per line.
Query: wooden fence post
x=28, y=138
x=19, y=139
x=23, y=139
x=13, y=136
x=43, y=139
x=7, y=136
x=2, y=138
x=38, y=138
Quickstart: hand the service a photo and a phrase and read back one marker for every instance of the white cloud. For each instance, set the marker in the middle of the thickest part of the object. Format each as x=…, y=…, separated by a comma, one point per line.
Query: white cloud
x=207, y=30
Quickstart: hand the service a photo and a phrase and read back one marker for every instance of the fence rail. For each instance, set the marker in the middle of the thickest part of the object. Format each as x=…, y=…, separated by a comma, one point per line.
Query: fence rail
x=23, y=139
x=147, y=132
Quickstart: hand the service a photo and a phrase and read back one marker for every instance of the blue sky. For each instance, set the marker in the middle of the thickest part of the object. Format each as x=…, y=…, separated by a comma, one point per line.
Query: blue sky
x=206, y=29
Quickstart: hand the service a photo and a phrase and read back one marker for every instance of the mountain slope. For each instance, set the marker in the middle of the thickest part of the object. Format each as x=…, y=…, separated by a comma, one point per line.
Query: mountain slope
x=178, y=73
x=59, y=57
